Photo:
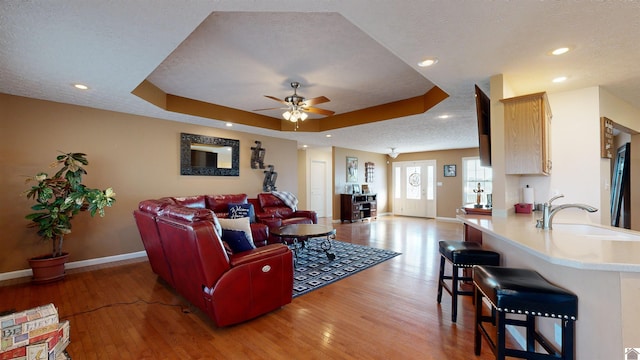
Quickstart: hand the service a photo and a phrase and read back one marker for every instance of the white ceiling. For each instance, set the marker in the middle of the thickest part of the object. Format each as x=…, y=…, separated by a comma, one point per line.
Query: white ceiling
x=358, y=53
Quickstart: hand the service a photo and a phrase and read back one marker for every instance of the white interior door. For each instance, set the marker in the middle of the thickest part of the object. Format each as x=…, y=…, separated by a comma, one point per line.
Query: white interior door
x=414, y=188
x=318, y=187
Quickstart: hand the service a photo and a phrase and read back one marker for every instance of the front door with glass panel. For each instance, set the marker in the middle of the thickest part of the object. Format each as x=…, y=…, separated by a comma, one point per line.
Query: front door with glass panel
x=414, y=192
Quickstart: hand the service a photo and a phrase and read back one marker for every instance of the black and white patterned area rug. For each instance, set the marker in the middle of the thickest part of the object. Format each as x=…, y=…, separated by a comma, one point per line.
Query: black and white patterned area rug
x=313, y=269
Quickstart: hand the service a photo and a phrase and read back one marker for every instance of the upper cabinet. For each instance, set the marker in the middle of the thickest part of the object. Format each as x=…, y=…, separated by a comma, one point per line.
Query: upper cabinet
x=527, y=123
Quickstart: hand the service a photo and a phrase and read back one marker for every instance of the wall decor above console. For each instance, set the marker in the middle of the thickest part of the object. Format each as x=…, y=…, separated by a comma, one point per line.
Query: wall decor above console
x=209, y=156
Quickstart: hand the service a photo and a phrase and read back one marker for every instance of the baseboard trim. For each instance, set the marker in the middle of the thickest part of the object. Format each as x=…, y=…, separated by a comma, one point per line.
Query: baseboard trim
x=77, y=264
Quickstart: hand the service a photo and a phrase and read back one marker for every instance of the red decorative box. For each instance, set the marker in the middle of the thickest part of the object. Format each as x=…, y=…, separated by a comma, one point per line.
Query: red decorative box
x=524, y=208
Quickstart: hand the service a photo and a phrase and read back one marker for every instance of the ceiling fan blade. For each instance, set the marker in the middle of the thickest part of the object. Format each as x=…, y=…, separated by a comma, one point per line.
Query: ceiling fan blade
x=276, y=99
x=318, y=111
x=316, y=100
x=275, y=108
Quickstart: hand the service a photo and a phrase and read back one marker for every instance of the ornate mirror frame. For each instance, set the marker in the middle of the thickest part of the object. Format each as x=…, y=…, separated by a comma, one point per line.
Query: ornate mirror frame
x=229, y=164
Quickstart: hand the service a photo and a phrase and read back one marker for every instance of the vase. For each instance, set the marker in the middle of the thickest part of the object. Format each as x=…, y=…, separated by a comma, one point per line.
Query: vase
x=48, y=269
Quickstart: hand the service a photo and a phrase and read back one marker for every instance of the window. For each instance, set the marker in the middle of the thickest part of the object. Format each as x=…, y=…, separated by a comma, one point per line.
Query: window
x=472, y=175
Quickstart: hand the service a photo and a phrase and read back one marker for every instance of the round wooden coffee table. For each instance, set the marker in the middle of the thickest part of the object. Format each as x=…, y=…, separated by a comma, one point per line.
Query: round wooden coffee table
x=299, y=234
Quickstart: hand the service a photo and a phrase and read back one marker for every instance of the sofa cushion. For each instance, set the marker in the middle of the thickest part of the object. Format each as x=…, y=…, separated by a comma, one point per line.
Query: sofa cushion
x=242, y=210
x=154, y=207
x=237, y=240
x=282, y=212
x=270, y=200
x=219, y=203
x=197, y=202
x=241, y=224
x=188, y=214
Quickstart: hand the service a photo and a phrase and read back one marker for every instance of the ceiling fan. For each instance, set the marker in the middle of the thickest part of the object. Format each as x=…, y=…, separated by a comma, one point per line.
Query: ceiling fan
x=297, y=106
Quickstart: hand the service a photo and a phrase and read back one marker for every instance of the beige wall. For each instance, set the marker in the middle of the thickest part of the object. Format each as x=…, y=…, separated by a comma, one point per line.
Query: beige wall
x=379, y=185
x=449, y=194
x=137, y=156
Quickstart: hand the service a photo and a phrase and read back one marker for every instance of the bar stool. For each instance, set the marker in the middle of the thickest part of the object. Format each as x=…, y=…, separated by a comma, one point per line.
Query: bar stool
x=462, y=255
x=523, y=292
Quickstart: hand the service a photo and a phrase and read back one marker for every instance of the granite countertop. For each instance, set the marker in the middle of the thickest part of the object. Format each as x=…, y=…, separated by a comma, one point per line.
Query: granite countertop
x=581, y=246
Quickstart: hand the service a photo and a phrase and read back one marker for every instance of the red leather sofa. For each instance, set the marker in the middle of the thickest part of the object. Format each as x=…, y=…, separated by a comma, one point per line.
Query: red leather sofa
x=219, y=204
x=185, y=249
x=272, y=211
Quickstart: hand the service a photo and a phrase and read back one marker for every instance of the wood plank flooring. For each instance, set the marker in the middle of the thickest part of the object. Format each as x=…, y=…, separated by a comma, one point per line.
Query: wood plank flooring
x=122, y=311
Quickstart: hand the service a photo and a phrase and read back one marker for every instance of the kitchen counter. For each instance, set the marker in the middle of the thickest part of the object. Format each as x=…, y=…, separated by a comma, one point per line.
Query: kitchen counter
x=600, y=264
x=570, y=246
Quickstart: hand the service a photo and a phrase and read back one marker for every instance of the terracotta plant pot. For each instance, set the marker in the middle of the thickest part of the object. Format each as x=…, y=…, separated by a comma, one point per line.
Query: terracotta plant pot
x=48, y=269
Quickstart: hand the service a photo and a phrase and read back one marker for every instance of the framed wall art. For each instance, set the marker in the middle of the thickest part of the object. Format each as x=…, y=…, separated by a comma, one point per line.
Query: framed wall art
x=352, y=169
x=368, y=172
x=450, y=170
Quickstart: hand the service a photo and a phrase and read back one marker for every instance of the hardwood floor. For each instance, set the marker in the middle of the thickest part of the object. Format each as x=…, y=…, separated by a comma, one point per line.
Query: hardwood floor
x=122, y=311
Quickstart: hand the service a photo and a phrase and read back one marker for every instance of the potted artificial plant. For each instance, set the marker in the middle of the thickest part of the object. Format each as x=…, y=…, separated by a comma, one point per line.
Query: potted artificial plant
x=58, y=200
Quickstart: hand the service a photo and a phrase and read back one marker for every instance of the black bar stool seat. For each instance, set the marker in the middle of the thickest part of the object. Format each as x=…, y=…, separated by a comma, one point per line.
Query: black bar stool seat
x=524, y=292
x=461, y=255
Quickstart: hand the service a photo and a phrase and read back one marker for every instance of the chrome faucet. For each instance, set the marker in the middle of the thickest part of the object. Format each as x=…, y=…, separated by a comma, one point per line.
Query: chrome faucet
x=549, y=212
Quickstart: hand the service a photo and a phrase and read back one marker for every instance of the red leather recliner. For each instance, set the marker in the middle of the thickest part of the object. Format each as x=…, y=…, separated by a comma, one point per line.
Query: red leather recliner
x=145, y=216
x=271, y=210
x=229, y=289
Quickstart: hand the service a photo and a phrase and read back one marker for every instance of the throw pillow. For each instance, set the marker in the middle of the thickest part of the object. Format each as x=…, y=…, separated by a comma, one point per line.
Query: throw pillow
x=237, y=240
x=241, y=224
x=242, y=210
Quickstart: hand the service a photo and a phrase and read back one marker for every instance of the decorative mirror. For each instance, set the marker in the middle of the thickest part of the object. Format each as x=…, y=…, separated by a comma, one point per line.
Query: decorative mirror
x=210, y=156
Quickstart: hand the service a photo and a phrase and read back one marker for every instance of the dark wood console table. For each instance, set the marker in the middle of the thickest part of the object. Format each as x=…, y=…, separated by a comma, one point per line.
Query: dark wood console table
x=358, y=207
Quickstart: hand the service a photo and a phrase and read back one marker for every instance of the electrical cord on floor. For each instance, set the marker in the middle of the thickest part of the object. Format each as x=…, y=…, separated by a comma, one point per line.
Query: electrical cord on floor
x=183, y=309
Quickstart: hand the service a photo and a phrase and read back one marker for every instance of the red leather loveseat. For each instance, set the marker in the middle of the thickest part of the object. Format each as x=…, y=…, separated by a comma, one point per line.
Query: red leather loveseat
x=274, y=212
x=184, y=247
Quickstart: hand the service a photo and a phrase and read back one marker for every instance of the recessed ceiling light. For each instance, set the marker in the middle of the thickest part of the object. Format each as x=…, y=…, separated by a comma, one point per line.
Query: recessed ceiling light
x=559, y=79
x=328, y=135
x=229, y=124
x=560, y=51
x=305, y=146
x=428, y=62
x=81, y=86
x=445, y=116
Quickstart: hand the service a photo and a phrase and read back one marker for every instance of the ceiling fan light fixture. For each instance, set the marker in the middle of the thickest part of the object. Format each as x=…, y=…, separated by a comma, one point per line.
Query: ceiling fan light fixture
x=287, y=115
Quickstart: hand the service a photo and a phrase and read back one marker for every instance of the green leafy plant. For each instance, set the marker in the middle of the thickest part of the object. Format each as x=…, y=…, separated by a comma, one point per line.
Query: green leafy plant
x=61, y=197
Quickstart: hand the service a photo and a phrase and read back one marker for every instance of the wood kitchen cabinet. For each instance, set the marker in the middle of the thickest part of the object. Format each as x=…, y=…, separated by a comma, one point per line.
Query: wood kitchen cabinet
x=527, y=123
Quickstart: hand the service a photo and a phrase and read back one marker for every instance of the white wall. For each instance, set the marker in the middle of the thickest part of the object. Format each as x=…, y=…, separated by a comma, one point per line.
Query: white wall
x=575, y=155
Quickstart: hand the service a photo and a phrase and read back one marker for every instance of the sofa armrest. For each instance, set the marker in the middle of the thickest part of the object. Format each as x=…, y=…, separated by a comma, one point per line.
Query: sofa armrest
x=257, y=254
x=270, y=221
x=260, y=233
x=306, y=213
x=251, y=288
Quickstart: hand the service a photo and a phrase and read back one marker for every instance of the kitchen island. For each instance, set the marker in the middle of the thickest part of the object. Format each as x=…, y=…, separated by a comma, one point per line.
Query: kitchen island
x=600, y=264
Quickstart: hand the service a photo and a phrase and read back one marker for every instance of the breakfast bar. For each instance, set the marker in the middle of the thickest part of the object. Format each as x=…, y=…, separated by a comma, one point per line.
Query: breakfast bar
x=600, y=264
